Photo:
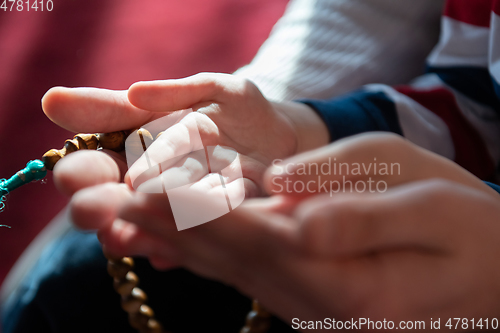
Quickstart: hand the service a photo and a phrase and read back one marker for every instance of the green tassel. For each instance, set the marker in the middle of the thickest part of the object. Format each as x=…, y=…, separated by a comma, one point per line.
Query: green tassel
x=35, y=170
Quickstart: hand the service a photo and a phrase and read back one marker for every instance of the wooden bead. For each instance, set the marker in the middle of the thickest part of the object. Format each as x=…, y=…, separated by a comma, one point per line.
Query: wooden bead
x=113, y=141
x=118, y=269
x=132, y=320
x=80, y=141
x=87, y=141
x=53, y=156
x=132, y=303
x=145, y=136
x=124, y=286
x=153, y=326
x=71, y=146
x=256, y=323
x=138, y=141
x=140, y=319
x=259, y=309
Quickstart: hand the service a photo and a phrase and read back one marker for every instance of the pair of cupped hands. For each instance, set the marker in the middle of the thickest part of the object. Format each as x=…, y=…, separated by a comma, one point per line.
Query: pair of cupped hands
x=427, y=247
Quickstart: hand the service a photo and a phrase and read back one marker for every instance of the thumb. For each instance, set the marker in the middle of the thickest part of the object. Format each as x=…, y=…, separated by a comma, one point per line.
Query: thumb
x=368, y=158
x=360, y=164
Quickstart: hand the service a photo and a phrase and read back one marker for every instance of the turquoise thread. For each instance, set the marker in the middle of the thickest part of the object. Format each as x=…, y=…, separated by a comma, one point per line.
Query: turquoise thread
x=35, y=170
x=2, y=202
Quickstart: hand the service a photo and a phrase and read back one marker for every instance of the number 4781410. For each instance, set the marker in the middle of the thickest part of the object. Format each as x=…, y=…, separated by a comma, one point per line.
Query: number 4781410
x=21, y=5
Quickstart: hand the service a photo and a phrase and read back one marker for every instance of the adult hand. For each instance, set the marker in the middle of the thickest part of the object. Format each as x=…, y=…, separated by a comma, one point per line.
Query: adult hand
x=425, y=248
x=368, y=162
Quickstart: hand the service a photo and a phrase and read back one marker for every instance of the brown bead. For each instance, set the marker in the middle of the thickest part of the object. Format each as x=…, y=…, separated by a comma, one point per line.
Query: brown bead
x=113, y=141
x=118, y=269
x=124, y=286
x=132, y=303
x=140, y=319
x=145, y=136
x=81, y=143
x=256, y=306
x=153, y=326
x=137, y=142
x=256, y=323
x=53, y=156
x=71, y=146
x=134, y=322
x=87, y=141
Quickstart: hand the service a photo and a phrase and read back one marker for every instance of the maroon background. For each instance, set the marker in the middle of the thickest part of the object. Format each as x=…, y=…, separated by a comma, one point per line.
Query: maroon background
x=109, y=44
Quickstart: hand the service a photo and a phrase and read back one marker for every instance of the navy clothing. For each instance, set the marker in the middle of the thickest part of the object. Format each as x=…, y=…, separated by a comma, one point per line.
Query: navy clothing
x=69, y=290
x=424, y=113
x=358, y=112
x=494, y=186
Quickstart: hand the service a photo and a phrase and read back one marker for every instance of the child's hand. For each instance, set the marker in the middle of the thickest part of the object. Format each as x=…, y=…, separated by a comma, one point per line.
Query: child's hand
x=230, y=112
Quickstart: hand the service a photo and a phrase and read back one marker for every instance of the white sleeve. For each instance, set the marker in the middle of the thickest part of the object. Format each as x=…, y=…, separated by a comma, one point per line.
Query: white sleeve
x=322, y=48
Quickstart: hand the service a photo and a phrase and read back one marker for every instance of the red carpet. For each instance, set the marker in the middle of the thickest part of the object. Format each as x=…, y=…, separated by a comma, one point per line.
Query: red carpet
x=108, y=44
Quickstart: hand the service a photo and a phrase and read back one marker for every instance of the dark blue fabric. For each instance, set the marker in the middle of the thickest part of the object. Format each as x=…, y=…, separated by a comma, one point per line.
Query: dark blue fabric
x=494, y=186
x=474, y=82
x=496, y=87
x=69, y=290
x=357, y=112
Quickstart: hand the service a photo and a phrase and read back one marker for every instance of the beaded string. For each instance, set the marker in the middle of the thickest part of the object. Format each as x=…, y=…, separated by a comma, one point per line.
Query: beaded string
x=125, y=281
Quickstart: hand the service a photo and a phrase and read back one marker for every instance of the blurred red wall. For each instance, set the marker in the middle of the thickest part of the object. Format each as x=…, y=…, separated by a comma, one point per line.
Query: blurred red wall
x=108, y=44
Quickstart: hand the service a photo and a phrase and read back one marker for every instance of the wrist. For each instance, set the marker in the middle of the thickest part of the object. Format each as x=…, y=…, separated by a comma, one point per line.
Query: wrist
x=311, y=131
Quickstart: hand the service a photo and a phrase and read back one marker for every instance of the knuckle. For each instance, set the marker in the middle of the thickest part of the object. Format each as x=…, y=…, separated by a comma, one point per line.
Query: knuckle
x=328, y=229
x=249, y=88
x=439, y=188
x=393, y=143
x=354, y=223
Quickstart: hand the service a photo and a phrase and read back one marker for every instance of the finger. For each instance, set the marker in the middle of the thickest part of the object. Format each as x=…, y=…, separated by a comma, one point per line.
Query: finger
x=234, y=166
x=279, y=204
x=93, y=110
x=415, y=216
x=339, y=166
x=204, y=249
x=365, y=163
x=252, y=190
x=172, y=146
x=150, y=211
x=181, y=158
x=190, y=169
x=235, y=246
x=252, y=170
x=86, y=168
x=242, y=227
x=172, y=95
x=151, y=215
x=122, y=238
x=162, y=264
x=96, y=207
